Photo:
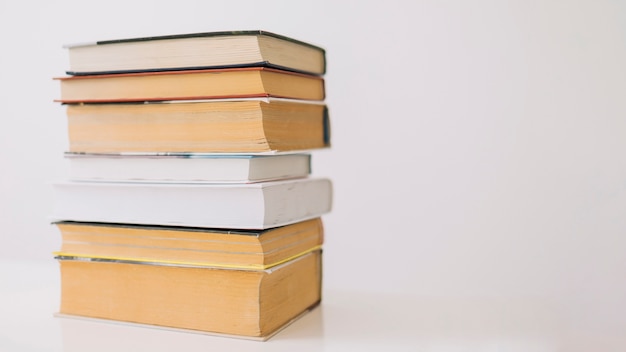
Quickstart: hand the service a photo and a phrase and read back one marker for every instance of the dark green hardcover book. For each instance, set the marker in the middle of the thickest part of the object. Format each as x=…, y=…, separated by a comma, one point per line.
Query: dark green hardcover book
x=196, y=51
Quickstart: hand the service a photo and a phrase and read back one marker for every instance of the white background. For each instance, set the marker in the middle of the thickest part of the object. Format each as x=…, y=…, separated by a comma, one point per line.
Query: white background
x=478, y=146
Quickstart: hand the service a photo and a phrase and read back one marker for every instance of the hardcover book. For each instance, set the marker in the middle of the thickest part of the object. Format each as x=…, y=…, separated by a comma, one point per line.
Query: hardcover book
x=195, y=51
x=191, y=85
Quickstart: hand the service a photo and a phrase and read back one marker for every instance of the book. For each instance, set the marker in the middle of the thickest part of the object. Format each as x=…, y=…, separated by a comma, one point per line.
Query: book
x=189, y=203
x=168, y=245
x=184, y=168
x=223, y=126
x=233, y=206
x=196, y=50
x=243, y=303
x=191, y=84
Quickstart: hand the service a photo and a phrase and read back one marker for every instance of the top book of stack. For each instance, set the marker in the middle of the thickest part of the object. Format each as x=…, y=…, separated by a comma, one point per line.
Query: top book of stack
x=196, y=51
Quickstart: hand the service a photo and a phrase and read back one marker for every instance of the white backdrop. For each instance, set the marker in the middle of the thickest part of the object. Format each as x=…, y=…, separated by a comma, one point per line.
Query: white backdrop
x=478, y=146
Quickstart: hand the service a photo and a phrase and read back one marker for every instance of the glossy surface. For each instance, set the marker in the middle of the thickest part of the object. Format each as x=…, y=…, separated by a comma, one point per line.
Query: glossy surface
x=347, y=320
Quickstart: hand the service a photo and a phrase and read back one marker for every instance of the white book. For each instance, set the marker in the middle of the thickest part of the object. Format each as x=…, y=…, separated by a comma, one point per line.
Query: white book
x=233, y=206
x=207, y=168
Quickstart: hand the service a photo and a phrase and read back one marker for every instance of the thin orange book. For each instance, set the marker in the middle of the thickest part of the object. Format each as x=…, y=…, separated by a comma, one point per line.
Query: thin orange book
x=175, y=245
x=191, y=85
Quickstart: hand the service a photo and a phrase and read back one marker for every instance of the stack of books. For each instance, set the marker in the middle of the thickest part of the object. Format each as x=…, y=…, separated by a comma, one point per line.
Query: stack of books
x=190, y=202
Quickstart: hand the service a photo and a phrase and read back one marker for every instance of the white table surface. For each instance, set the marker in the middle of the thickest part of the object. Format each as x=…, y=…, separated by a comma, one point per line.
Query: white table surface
x=346, y=321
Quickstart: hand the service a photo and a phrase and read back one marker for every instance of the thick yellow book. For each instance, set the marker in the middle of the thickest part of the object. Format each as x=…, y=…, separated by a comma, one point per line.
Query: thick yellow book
x=207, y=126
x=234, y=302
x=190, y=85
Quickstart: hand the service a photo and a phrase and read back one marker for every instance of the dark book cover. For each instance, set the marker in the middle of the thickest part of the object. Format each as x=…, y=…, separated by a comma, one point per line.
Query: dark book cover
x=196, y=35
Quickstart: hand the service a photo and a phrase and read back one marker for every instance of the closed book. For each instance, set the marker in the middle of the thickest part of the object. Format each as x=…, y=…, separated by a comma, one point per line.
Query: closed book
x=173, y=245
x=185, y=168
x=233, y=206
x=206, y=126
x=253, y=304
x=191, y=84
x=196, y=50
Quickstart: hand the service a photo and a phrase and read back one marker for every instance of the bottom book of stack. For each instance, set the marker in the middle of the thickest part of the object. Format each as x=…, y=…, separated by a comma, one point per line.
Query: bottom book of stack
x=243, y=283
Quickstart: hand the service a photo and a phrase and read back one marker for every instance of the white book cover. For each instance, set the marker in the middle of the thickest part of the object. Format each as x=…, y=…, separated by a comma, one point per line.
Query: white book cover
x=233, y=206
x=183, y=168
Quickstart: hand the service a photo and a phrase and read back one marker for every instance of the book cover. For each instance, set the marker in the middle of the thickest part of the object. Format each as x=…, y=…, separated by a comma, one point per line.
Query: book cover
x=245, y=82
x=220, y=49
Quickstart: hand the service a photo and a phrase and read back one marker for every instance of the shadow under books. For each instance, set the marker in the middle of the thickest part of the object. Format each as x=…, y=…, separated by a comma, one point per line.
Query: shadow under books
x=94, y=335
